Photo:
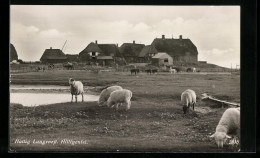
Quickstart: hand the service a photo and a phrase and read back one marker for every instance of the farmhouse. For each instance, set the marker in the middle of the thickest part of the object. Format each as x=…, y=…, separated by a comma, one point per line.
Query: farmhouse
x=104, y=54
x=72, y=57
x=179, y=49
x=147, y=53
x=53, y=56
x=162, y=59
x=12, y=54
x=131, y=51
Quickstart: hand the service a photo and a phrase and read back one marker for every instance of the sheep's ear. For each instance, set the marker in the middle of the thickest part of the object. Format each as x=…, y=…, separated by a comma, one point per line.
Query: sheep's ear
x=212, y=135
x=227, y=136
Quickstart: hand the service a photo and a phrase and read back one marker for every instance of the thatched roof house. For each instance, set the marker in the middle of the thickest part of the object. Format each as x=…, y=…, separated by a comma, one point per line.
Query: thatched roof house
x=162, y=59
x=103, y=54
x=131, y=51
x=53, y=56
x=72, y=57
x=147, y=53
x=12, y=53
x=179, y=49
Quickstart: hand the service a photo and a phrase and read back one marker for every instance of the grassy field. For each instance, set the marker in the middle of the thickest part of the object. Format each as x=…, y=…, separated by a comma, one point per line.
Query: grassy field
x=154, y=123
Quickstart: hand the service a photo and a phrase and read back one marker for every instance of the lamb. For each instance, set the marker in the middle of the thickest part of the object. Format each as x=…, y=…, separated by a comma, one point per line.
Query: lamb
x=119, y=97
x=188, y=98
x=76, y=88
x=228, y=124
x=105, y=93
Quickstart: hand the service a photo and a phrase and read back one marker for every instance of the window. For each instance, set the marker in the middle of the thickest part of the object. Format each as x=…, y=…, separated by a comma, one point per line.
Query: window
x=93, y=53
x=166, y=60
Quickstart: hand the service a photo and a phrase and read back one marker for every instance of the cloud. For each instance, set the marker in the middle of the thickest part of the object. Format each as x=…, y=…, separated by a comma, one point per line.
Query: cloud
x=220, y=57
x=53, y=33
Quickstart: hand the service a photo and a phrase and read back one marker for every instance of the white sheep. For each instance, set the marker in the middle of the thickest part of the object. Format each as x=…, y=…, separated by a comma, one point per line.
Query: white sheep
x=172, y=70
x=194, y=69
x=228, y=124
x=76, y=88
x=119, y=97
x=104, y=95
x=188, y=98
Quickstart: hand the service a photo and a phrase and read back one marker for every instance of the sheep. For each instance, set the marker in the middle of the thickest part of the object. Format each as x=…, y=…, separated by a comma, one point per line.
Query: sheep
x=188, y=97
x=228, y=124
x=118, y=97
x=105, y=93
x=76, y=88
x=172, y=70
x=194, y=69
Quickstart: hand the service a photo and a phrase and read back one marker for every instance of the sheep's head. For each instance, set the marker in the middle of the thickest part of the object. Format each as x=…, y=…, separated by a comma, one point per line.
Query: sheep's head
x=102, y=98
x=185, y=109
x=71, y=81
x=220, y=138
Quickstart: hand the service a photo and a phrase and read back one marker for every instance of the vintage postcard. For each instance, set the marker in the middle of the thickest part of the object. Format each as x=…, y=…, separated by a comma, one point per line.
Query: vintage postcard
x=124, y=78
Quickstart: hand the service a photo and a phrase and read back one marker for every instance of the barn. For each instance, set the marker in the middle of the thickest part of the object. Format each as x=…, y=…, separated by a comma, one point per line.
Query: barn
x=131, y=51
x=162, y=59
x=147, y=53
x=179, y=49
x=103, y=54
x=53, y=56
x=12, y=53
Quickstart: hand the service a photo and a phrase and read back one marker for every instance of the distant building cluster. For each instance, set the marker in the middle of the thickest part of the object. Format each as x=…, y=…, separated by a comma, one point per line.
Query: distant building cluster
x=162, y=51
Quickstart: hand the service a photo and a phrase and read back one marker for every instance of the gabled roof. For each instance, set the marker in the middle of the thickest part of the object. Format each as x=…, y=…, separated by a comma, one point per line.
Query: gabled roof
x=109, y=50
x=53, y=54
x=92, y=47
x=175, y=47
x=131, y=49
x=161, y=55
x=148, y=50
x=13, y=53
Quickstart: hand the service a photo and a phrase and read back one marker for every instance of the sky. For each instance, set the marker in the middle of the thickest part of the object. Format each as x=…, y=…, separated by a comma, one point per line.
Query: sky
x=215, y=30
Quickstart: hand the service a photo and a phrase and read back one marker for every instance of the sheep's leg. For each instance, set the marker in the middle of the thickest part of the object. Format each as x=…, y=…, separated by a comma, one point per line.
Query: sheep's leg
x=117, y=106
x=76, y=98
x=82, y=97
x=71, y=98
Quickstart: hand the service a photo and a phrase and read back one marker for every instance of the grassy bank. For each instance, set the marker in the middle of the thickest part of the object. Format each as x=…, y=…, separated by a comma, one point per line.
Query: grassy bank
x=154, y=123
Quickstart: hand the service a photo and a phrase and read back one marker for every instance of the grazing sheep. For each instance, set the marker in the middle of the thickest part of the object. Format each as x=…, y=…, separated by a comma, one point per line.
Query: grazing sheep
x=172, y=70
x=228, y=124
x=194, y=69
x=105, y=93
x=118, y=97
x=188, y=98
x=76, y=88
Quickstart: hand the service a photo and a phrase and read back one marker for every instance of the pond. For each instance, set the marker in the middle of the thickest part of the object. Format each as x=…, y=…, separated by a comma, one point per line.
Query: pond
x=36, y=99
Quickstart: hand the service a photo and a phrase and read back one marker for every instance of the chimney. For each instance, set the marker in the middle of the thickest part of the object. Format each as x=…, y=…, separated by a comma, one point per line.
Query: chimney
x=50, y=47
x=163, y=36
x=96, y=41
x=180, y=37
x=133, y=42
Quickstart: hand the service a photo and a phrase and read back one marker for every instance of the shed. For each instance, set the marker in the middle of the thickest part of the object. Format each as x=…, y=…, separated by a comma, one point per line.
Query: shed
x=162, y=59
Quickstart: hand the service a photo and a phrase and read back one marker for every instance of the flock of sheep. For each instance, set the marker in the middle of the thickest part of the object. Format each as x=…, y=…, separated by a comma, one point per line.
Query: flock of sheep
x=116, y=96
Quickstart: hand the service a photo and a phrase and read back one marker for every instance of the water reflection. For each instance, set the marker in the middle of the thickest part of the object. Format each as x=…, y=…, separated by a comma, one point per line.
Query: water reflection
x=36, y=99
